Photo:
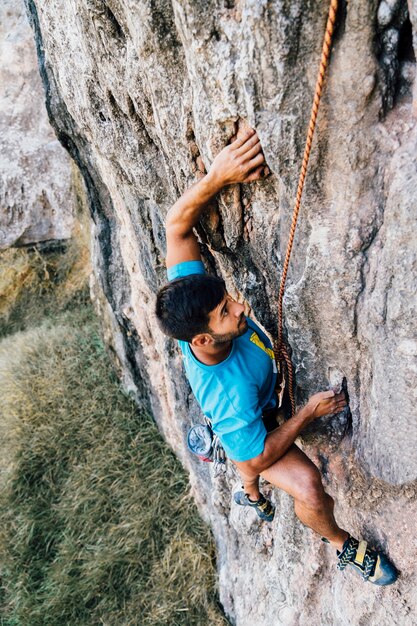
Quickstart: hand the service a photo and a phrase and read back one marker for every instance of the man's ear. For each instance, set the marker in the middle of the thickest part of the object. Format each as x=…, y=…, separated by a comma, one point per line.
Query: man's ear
x=202, y=340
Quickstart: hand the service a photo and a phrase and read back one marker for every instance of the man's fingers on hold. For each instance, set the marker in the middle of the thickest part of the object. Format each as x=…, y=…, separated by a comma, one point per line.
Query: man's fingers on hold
x=254, y=175
x=256, y=160
x=328, y=394
x=246, y=156
x=241, y=140
x=248, y=144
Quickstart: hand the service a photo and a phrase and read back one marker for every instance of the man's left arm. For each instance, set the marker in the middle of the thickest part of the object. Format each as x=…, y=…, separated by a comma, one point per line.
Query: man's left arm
x=240, y=162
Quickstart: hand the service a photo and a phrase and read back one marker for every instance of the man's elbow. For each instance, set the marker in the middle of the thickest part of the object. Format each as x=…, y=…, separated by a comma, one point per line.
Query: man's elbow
x=175, y=228
x=171, y=222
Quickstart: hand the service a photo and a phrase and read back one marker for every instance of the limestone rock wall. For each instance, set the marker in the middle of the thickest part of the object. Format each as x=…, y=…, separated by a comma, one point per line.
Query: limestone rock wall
x=36, y=198
x=143, y=94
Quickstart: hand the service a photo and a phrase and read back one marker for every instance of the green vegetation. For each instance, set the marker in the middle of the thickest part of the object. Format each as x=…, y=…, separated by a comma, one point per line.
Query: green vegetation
x=96, y=524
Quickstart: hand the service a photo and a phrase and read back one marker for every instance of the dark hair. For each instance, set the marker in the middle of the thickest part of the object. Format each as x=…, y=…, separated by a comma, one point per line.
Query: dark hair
x=183, y=305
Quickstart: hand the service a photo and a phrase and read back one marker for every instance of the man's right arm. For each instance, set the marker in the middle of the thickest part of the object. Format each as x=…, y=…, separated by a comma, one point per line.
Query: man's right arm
x=278, y=442
x=240, y=162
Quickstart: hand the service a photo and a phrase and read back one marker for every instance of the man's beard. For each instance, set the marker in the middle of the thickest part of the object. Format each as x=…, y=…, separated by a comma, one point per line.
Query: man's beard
x=220, y=339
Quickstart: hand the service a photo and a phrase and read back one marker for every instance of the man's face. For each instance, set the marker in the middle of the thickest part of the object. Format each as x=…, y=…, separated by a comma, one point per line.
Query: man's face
x=227, y=321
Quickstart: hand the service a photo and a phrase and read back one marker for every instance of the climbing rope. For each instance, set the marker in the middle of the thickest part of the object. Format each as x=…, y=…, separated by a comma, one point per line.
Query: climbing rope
x=280, y=349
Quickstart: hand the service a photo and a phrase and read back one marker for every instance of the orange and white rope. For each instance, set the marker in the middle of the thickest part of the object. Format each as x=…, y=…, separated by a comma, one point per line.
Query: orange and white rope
x=280, y=349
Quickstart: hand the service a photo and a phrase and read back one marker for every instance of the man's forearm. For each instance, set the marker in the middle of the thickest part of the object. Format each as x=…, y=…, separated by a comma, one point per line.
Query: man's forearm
x=239, y=162
x=278, y=442
x=186, y=212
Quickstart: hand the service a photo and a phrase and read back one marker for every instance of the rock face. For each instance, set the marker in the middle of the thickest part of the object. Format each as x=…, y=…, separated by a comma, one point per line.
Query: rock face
x=36, y=200
x=142, y=94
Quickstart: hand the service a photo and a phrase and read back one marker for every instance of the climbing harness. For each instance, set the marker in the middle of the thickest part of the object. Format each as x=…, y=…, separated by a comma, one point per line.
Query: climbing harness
x=280, y=348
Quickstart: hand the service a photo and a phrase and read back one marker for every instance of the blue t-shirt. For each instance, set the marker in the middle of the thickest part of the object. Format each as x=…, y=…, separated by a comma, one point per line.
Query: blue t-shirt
x=234, y=393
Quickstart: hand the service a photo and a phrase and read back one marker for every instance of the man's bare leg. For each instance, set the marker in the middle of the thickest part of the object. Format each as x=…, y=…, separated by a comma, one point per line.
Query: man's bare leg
x=299, y=477
x=250, y=485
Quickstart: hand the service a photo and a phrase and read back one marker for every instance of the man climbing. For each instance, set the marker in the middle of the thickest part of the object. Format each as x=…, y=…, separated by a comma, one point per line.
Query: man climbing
x=232, y=372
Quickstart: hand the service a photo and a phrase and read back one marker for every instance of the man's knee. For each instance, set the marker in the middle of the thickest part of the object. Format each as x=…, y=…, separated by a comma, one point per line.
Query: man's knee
x=310, y=490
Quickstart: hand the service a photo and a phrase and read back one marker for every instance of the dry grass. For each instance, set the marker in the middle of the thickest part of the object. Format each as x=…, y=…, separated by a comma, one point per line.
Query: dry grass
x=96, y=525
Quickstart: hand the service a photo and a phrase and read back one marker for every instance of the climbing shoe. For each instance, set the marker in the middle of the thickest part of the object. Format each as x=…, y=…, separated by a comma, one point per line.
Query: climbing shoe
x=371, y=565
x=263, y=507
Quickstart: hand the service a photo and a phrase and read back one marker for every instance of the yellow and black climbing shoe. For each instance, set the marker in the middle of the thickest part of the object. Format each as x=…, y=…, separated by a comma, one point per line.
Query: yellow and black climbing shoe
x=371, y=565
x=263, y=507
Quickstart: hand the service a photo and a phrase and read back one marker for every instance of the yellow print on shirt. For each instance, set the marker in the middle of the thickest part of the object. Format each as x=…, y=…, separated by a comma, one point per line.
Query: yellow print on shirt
x=258, y=342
